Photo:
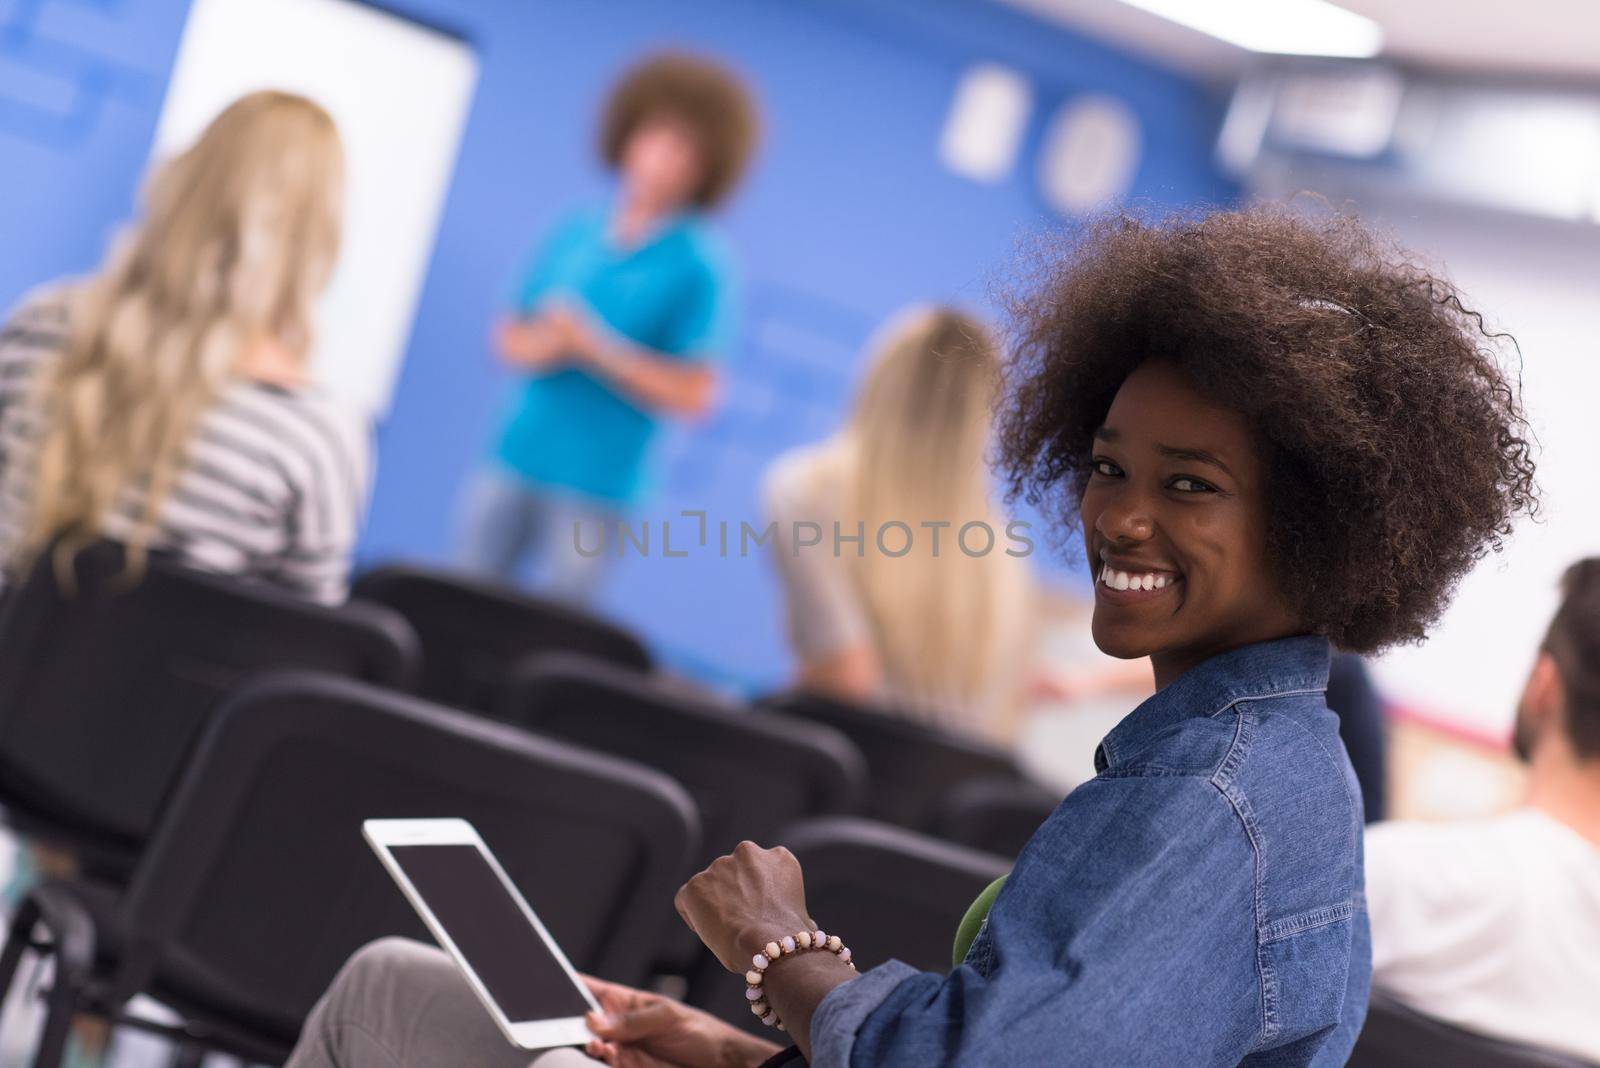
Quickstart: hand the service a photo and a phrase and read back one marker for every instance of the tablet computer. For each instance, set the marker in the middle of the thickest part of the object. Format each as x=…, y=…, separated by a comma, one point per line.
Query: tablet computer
x=479, y=918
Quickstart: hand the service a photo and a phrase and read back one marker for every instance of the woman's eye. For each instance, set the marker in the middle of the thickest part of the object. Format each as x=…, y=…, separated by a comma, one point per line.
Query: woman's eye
x=1184, y=484
x=1105, y=467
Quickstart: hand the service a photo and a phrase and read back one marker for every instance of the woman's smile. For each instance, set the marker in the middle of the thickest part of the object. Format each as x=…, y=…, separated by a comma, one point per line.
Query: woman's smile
x=1119, y=583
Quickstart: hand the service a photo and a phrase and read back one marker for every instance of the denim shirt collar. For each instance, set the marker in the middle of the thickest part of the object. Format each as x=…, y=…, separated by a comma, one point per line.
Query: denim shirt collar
x=1265, y=669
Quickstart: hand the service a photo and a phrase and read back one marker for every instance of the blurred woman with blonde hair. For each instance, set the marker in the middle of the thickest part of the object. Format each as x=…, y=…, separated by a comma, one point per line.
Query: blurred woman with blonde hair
x=164, y=402
x=928, y=613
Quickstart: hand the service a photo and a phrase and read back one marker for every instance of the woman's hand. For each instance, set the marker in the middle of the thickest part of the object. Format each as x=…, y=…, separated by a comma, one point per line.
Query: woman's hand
x=744, y=900
x=578, y=335
x=640, y=1030
x=530, y=343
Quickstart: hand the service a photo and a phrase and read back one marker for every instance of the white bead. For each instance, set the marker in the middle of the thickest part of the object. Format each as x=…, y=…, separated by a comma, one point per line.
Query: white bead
x=770, y=1018
x=788, y=943
x=752, y=993
x=760, y=961
x=774, y=951
x=835, y=944
x=760, y=1008
x=844, y=954
x=803, y=939
x=753, y=978
x=819, y=938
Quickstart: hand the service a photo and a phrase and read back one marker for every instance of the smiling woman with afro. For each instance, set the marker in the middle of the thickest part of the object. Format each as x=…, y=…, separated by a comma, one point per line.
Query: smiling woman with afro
x=1394, y=446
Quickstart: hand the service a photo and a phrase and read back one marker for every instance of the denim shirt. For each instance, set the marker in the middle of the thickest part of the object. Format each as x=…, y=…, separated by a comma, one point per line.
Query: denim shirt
x=1198, y=902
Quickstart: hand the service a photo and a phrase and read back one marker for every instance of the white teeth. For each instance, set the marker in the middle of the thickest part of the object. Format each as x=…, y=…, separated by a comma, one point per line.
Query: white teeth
x=1123, y=580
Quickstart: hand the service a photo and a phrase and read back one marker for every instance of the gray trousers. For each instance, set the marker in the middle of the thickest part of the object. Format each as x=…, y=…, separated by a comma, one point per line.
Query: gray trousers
x=505, y=522
x=401, y=1004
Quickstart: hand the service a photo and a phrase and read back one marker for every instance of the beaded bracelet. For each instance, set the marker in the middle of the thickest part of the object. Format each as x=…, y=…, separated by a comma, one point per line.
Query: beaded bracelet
x=788, y=946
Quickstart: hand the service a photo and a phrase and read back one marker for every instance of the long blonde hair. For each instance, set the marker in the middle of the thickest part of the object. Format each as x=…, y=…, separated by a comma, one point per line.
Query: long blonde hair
x=914, y=452
x=239, y=238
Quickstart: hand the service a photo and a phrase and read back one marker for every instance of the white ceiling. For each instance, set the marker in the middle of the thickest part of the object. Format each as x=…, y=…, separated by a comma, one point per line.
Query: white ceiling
x=1549, y=38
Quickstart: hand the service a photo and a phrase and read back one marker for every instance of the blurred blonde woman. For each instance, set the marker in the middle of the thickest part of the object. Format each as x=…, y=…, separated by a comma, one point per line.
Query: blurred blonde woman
x=164, y=402
x=936, y=630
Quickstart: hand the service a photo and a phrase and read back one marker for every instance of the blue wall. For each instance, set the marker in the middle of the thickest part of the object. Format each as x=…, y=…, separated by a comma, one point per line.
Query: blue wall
x=847, y=216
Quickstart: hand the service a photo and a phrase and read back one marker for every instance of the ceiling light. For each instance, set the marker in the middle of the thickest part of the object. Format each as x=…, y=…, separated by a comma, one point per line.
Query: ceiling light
x=1290, y=27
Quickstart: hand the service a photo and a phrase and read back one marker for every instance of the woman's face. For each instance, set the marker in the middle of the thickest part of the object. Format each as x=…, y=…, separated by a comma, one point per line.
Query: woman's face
x=1175, y=528
x=661, y=163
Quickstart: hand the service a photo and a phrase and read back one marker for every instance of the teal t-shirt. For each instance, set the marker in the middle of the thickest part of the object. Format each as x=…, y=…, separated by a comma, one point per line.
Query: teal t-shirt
x=571, y=431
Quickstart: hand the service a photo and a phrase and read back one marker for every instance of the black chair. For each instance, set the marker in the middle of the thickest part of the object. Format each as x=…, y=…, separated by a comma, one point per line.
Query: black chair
x=473, y=631
x=257, y=885
x=104, y=689
x=911, y=766
x=994, y=815
x=1399, y=1037
x=751, y=775
x=890, y=893
x=1356, y=701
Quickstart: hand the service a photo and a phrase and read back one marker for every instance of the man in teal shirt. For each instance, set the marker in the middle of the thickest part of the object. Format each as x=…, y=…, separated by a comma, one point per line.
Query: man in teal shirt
x=619, y=319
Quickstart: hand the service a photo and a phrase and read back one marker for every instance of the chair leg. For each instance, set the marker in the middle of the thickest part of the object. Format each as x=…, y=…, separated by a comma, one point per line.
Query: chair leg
x=71, y=946
x=18, y=939
x=61, y=1004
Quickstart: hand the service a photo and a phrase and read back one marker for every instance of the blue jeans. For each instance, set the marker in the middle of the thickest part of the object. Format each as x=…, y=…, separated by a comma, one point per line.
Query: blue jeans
x=507, y=522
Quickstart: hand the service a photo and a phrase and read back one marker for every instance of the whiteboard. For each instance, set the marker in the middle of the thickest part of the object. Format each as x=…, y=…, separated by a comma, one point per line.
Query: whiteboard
x=400, y=93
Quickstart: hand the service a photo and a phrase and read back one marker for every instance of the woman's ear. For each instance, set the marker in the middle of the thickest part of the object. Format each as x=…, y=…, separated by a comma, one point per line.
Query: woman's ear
x=1540, y=708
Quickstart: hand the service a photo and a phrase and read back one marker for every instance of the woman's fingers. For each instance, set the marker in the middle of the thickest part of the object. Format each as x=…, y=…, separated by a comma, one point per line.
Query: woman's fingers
x=636, y=1024
x=614, y=997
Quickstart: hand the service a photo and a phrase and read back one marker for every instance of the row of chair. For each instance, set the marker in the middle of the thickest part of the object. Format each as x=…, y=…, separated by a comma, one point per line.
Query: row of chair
x=476, y=643
x=254, y=887
x=251, y=894
x=106, y=763
x=88, y=757
x=229, y=882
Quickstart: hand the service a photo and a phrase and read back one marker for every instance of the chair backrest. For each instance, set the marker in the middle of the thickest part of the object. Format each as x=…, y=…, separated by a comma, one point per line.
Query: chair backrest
x=473, y=631
x=887, y=891
x=750, y=774
x=1395, y=1036
x=994, y=815
x=104, y=690
x=911, y=766
x=257, y=884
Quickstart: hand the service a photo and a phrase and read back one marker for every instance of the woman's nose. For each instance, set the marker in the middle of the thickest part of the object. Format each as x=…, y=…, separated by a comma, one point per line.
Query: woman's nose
x=1125, y=520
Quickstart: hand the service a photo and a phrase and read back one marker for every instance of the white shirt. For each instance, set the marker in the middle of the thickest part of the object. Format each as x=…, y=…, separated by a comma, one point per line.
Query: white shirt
x=1491, y=925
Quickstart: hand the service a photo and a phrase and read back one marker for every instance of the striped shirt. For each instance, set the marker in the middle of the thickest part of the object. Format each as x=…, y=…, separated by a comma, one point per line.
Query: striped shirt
x=272, y=489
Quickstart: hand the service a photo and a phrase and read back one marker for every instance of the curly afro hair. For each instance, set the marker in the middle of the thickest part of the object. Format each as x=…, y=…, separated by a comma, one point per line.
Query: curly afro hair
x=1396, y=453
x=706, y=96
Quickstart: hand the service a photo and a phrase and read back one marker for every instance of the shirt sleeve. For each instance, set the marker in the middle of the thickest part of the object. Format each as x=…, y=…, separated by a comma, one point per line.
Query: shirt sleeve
x=541, y=270
x=821, y=608
x=1128, y=924
x=328, y=513
x=703, y=324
